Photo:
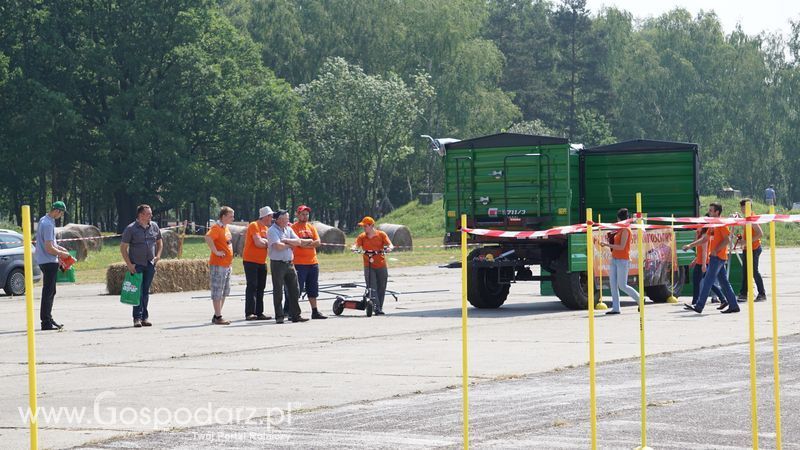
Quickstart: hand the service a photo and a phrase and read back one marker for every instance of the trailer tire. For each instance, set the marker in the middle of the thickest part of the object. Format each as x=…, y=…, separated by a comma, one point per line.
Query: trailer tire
x=571, y=287
x=483, y=289
x=660, y=293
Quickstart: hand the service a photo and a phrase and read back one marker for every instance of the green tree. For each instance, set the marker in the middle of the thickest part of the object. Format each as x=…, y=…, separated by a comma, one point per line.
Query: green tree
x=358, y=128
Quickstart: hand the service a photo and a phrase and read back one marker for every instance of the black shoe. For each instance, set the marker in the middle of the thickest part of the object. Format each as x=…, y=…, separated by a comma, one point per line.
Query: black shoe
x=761, y=297
x=56, y=325
x=279, y=320
x=741, y=296
x=380, y=313
x=262, y=317
x=48, y=327
x=722, y=305
x=714, y=300
x=689, y=307
x=317, y=315
x=730, y=311
x=299, y=319
x=612, y=312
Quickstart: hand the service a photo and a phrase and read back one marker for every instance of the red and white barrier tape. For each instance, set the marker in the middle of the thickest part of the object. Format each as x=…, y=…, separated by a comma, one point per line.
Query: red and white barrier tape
x=689, y=223
x=87, y=238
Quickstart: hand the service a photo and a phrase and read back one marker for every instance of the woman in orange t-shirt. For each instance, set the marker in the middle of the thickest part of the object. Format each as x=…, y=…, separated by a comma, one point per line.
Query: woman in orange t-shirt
x=620, y=264
x=376, y=274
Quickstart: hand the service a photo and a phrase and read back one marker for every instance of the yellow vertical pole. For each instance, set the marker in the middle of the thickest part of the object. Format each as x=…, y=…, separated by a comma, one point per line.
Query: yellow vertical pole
x=464, y=365
x=640, y=250
x=600, y=304
x=182, y=235
x=28, y=261
x=600, y=300
x=590, y=282
x=673, y=262
x=775, y=366
x=748, y=235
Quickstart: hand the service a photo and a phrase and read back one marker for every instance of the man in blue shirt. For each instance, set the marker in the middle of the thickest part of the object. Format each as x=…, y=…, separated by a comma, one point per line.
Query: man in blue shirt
x=769, y=195
x=281, y=240
x=141, y=247
x=46, y=256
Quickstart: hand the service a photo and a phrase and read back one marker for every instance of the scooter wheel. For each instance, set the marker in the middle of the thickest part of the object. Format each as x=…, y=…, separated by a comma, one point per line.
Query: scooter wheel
x=338, y=306
x=370, y=307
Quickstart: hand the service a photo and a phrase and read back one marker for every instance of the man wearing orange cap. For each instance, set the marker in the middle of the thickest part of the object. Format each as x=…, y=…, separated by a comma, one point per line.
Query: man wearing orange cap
x=305, y=258
x=376, y=273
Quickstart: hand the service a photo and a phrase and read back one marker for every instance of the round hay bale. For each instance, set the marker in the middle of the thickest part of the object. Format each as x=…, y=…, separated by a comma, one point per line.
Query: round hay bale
x=332, y=236
x=238, y=233
x=88, y=231
x=170, y=241
x=77, y=246
x=174, y=275
x=400, y=236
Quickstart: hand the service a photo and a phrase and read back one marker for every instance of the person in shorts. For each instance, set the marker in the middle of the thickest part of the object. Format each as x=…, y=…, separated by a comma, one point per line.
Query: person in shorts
x=305, y=259
x=218, y=240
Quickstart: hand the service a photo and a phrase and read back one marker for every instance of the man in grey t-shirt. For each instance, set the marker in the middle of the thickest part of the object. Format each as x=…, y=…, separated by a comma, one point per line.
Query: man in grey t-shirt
x=46, y=256
x=141, y=249
x=281, y=239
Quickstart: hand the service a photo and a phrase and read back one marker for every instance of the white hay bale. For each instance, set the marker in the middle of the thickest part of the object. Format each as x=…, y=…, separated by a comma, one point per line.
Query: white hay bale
x=75, y=242
x=334, y=237
x=400, y=236
x=170, y=240
x=238, y=233
x=94, y=242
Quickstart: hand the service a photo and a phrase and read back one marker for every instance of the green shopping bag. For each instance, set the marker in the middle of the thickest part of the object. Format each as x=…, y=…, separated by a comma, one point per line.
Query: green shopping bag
x=131, y=287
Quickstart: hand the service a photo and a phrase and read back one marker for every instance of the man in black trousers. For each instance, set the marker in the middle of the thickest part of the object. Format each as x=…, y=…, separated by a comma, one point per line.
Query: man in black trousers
x=46, y=256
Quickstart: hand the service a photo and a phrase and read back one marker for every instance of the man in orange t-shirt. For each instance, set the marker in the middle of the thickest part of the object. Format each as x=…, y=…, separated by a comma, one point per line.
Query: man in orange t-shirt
x=254, y=260
x=218, y=240
x=376, y=275
x=718, y=251
x=305, y=259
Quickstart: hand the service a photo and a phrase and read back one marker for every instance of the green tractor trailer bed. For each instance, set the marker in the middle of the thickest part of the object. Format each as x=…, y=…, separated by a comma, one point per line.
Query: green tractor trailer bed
x=517, y=182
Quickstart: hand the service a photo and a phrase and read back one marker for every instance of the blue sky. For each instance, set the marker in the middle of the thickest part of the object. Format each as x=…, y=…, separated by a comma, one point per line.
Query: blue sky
x=754, y=15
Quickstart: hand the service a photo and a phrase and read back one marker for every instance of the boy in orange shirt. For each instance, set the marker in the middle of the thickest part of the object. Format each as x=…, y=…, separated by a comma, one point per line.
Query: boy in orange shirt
x=305, y=258
x=218, y=240
x=376, y=274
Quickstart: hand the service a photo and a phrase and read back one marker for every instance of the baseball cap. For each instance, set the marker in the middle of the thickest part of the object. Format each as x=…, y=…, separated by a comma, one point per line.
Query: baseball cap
x=302, y=208
x=59, y=205
x=367, y=220
x=265, y=211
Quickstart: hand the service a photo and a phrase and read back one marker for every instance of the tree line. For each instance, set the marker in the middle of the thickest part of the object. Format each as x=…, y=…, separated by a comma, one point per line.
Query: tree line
x=182, y=104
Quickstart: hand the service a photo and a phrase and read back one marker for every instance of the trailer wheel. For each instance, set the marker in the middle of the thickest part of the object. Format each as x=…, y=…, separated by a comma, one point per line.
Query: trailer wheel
x=660, y=293
x=484, y=289
x=572, y=287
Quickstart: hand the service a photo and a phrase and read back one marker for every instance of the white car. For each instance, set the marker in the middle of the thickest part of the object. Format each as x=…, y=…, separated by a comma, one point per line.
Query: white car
x=12, y=264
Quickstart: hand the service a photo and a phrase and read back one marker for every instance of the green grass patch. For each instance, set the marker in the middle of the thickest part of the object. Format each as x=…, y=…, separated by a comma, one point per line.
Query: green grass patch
x=428, y=251
x=422, y=220
x=426, y=223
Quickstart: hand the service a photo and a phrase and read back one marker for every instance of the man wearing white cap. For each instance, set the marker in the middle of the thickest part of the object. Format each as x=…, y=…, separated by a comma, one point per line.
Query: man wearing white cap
x=254, y=258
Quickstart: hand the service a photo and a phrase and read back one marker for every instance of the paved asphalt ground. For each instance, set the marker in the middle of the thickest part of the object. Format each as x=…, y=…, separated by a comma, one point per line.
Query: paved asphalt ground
x=696, y=399
x=392, y=382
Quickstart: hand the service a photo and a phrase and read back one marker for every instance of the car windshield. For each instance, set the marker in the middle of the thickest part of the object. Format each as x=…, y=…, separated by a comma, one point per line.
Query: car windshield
x=10, y=241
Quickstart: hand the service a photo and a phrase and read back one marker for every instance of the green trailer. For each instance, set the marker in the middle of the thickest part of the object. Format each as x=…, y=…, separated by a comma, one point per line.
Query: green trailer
x=518, y=182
